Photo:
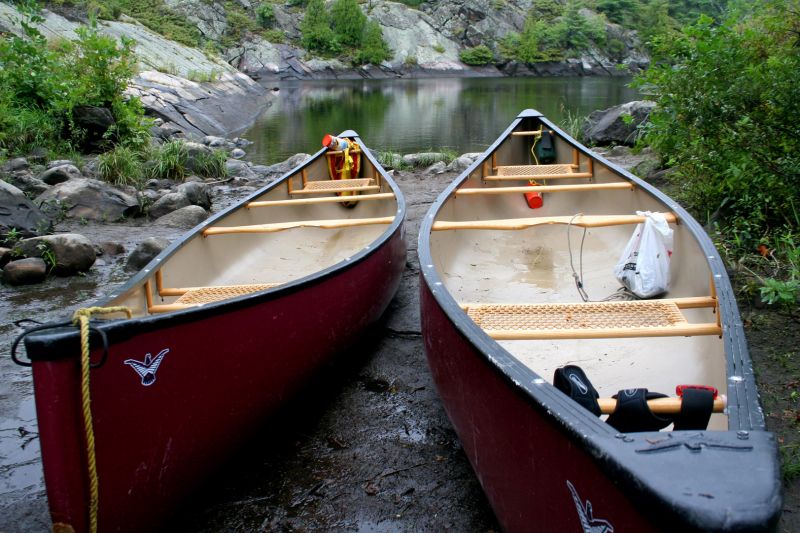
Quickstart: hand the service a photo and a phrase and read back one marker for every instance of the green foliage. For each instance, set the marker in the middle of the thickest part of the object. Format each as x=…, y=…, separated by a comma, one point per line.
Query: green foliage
x=156, y=16
x=347, y=21
x=273, y=36
x=47, y=255
x=373, y=49
x=41, y=85
x=411, y=3
x=211, y=165
x=479, y=55
x=121, y=166
x=265, y=15
x=169, y=161
x=316, y=31
x=726, y=115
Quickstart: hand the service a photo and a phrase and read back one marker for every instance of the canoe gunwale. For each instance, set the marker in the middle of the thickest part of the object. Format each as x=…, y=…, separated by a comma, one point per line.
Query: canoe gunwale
x=744, y=412
x=50, y=344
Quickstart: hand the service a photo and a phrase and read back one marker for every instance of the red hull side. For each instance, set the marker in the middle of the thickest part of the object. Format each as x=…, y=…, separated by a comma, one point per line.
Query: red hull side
x=522, y=460
x=222, y=376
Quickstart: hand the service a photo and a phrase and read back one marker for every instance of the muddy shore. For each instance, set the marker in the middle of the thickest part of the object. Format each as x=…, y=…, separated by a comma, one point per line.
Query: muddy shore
x=366, y=448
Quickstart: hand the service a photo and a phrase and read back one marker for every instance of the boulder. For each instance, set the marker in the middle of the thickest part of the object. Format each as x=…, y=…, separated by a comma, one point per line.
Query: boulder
x=13, y=165
x=60, y=174
x=185, y=217
x=19, y=213
x=5, y=256
x=25, y=271
x=283, y=167
x=616, y=125
x=25, y=181
x=463, y=161
x=237, y=153
x=196, y=192
x=94, y=122
x=437, y=168
x=145, y=251
x=169, y=203
x=216, y=142
x=89, y=199
x=71, y=252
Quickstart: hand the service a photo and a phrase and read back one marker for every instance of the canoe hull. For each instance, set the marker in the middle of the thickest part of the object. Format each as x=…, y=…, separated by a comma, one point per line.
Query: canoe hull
x=224, y=373
x=543, y=469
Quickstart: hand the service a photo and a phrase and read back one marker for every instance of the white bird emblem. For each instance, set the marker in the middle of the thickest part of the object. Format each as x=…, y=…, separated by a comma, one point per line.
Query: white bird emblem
x=147, y=368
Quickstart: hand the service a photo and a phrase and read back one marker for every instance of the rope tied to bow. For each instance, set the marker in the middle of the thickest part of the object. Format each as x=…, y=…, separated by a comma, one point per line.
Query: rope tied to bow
x=81, y=318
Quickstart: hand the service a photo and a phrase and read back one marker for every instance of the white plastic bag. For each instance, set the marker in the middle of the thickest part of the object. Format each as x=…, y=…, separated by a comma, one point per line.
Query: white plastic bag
x=644, y=265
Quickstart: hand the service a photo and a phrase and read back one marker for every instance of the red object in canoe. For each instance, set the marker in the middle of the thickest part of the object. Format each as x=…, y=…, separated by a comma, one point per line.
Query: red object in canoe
x=180, y=391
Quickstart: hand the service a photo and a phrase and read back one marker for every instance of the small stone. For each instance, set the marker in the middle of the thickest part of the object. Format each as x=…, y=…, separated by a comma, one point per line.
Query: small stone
x=25, y=271
x=237, y=153
x=16, y=164
x=185, y=217
x=169, y=203
x=110, y=248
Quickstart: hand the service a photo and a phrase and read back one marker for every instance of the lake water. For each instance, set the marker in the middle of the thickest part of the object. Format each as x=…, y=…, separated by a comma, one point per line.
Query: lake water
x=415, y=115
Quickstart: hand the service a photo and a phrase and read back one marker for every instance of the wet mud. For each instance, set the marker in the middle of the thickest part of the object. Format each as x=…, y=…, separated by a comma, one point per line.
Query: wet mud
x=365, y=447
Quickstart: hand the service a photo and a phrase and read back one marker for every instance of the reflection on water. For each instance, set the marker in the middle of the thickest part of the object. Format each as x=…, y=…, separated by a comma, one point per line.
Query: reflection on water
x=461, y=114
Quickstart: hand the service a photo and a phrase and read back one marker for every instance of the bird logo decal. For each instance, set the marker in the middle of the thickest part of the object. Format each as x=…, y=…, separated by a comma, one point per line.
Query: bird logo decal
x=147, y=368
x=589, y=523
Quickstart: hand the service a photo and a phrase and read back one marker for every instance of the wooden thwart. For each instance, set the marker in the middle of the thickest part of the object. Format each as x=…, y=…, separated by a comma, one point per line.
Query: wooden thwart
x=321, y=200
x=591, y=320
x=281, y=226
x=659, y=406
x=579, y=187
x=585, y=221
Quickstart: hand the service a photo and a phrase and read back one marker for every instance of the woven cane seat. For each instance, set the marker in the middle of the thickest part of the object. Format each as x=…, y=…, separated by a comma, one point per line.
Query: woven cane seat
x=592, y=316
x=335, y=185
x=204, y=295
x=533, y=170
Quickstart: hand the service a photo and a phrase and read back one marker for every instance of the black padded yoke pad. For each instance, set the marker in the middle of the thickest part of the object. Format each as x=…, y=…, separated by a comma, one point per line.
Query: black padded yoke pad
x=632, y=413
x=572, y=381
x=696, y=408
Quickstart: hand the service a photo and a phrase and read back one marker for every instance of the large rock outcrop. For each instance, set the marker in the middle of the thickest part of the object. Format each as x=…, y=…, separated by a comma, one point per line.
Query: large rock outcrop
x=616, y=125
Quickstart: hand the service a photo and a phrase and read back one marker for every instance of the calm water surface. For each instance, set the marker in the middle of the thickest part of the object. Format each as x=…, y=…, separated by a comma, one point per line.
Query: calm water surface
x=414, y=115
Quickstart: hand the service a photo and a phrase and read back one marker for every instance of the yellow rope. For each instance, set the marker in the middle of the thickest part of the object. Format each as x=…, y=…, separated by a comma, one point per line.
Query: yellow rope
x=81, y=318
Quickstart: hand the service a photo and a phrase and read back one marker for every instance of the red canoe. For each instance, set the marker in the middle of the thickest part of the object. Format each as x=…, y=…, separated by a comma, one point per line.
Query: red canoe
x=227, y=323
x=503, y=316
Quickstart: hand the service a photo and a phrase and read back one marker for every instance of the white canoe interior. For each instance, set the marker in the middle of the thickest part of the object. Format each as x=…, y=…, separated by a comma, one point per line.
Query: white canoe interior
x=294, y=230
x=508, y=266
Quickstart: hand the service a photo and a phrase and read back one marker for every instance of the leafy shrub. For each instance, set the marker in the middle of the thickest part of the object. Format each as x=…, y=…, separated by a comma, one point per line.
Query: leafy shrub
x=347, y=21
x=265, y=15
x=274, y=36
x=479, y=55
x=373, y=49
x=40, y=86
x=316, y=29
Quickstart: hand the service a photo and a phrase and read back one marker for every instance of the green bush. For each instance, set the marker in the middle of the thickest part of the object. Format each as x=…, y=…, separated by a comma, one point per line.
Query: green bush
x=40, y=85
x=211, y=165
x=373, y=49
x=316, y=29
x=479, y=55
x=265, y=15
x=347, y=21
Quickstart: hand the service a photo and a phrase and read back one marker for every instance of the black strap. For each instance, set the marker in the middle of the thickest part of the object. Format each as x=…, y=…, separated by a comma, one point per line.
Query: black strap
x=572, y=381
x=632, y=413
x=696, y=408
